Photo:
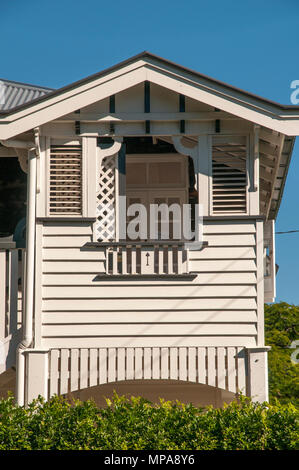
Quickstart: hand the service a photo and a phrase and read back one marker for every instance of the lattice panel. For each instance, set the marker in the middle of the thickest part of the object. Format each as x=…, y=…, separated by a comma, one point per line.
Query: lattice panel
x=106, y=200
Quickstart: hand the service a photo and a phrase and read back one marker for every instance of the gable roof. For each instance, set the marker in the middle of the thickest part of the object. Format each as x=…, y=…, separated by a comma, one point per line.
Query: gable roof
x=143, y=55
x=16, y=94
x=142, y=67
x=34, y=106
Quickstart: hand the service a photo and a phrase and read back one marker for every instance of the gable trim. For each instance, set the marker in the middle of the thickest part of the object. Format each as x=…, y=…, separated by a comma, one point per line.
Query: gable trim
x=280, y=118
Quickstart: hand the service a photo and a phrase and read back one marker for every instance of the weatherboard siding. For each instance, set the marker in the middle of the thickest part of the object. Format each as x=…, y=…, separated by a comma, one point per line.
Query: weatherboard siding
x=216, y=308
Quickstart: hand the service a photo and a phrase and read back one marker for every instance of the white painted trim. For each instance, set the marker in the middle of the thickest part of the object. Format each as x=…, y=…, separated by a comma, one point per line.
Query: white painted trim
x=204, y=175
x=258, y=374
x=115, y=148
x=139, y=362
x=30, y=268
x=47, y=175
x=275, y=172
x=253, y=159
x=41, y=179
x=162, y=129
x=84, y=176
x=260, y=282
x=38, y=285
x=89, y=159
x=157, y=116
x=269, y=241
x=116, y=192
x=194, y=87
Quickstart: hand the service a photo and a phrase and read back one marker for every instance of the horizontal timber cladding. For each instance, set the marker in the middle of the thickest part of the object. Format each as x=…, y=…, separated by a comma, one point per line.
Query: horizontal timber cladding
x=78, y=368
x=216, y=307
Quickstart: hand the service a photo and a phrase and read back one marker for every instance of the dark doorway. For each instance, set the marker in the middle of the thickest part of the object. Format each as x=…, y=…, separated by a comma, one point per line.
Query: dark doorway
x=13, y=188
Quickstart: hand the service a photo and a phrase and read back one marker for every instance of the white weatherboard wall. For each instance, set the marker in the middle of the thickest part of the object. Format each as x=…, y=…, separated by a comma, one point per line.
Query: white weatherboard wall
x=217, y=308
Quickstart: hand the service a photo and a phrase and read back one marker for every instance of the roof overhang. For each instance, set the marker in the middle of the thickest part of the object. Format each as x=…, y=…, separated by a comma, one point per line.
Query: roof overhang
x=238, y=103
x=147, y=67
x=280, y=180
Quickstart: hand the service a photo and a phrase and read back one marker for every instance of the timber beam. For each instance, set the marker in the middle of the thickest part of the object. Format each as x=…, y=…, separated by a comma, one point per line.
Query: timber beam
x=266, y=161
x=269, y=137
x=147, y=116
x=275, y=172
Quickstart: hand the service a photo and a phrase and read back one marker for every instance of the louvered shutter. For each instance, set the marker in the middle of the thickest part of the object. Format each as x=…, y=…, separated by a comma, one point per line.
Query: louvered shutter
x=229, y=174
x=65, y=180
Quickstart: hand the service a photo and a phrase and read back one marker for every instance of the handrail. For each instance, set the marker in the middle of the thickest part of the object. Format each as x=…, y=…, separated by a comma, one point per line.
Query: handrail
x=139, y=243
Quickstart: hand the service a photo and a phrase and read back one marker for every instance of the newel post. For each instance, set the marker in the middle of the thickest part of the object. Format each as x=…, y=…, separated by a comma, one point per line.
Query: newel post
x=257, y=361
x=37, y=373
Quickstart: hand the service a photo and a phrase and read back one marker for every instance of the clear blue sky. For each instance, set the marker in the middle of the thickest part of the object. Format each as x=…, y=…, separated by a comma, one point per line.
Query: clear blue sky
x=252, y=44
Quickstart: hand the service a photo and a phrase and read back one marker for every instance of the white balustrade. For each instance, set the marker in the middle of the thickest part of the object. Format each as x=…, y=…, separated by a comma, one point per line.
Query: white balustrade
x=12, y=263
x=146, y=258
x=79, y=368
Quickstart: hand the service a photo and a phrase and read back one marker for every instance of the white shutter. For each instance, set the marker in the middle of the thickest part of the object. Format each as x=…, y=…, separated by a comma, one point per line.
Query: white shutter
x=229, y=174
x=65, y=180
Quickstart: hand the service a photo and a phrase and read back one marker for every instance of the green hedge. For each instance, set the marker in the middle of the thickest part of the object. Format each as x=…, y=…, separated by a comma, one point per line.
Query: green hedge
x=137, y=424
x=281, y=329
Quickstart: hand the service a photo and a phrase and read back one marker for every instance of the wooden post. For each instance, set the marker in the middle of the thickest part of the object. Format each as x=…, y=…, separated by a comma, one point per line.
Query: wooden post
x=160, y=259
x=169, y=259
x=202, y=160
x=124, y=260
x=260, y=282
x=202, y=170
x=115, y=260
x=37, y=365
x=180, y=259
x=133, y=260
x=258, y=373
x=89, y=175
x=13, y=290
x=2, y=292
x=253, y=168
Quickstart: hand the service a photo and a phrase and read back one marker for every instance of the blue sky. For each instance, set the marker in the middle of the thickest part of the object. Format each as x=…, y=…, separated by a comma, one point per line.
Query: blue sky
x=251, y=44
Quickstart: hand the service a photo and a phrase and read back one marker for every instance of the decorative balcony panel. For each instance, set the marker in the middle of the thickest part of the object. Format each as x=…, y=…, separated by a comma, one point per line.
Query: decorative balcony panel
x=76, y=369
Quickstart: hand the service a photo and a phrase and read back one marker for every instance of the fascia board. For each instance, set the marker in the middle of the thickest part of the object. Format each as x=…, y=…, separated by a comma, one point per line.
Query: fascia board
x=184, y=82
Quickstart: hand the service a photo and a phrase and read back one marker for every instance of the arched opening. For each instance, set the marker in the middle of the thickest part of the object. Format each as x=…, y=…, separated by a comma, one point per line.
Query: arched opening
x=153, y=390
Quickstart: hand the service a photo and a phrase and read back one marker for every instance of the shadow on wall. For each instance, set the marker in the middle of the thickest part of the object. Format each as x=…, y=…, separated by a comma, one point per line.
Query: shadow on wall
x=153, y=390
x=185, y=392
x=7, y=383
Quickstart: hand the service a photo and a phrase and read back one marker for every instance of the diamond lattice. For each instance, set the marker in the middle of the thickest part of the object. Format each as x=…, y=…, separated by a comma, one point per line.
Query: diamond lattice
x=106, y=200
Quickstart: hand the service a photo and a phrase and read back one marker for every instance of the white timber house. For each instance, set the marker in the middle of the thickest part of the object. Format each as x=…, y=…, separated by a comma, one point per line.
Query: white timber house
x=83, y=307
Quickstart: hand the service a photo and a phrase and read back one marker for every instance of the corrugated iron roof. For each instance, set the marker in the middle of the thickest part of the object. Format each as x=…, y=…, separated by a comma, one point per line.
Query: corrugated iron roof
x=14, y=94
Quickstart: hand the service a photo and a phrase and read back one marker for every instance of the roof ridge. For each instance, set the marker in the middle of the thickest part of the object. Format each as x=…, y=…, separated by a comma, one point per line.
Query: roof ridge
x=54, y=92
